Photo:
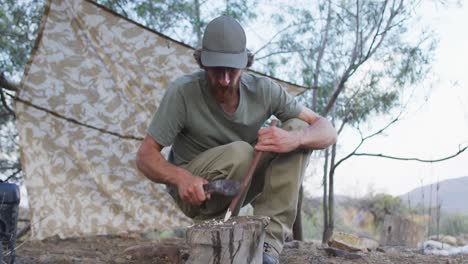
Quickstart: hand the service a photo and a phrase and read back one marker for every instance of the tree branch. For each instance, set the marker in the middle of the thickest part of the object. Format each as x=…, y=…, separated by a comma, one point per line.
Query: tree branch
x=377, y=31
x=345, y=120
x=356, y=60
x=274, y=36
x=5, y=104
x=122, y=9
x=24, y=231
x=279, y=52
x=383, y=129
x=413, y=159
x=393, y=13
x=367, y=137
x=14, y=166
x=339, y=89
x=12, y=175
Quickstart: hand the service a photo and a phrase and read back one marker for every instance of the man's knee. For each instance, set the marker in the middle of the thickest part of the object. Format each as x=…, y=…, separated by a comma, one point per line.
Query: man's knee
x=294, y=124
x=241, y=152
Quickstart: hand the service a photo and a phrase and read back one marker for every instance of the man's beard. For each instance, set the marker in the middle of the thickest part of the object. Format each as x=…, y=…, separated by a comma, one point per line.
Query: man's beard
x=233, y=86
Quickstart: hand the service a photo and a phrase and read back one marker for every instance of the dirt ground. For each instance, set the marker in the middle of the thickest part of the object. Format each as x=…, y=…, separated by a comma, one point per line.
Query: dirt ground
x=115, y=249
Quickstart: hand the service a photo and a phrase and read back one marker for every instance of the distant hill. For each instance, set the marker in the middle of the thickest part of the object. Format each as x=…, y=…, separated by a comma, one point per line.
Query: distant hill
x=453, y=195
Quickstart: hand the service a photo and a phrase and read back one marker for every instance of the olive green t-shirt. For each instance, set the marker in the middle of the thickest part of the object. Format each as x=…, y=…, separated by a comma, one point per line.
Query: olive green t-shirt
x=192, y=121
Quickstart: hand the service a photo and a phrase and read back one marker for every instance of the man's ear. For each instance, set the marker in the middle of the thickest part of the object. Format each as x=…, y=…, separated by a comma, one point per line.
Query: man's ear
x=197, y=57
x=250, y=59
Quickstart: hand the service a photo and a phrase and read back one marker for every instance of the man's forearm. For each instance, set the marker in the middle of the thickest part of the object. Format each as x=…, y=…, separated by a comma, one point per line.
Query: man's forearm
x=319, y=135
x=152, y=164
x=159, y=170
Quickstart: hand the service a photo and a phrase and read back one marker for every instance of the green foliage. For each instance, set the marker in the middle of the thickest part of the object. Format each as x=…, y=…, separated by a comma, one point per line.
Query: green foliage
x=170, y=17
x=162, y=14
x=183, y=20
x=19, y=22
x=404, y=64
x=356, y=57
x=454, y=225
x=312, y=218
x=324, y=92
x=380, y=205
x=373, y=69
x=362, y=103
x=242, y=10
x=312, y=226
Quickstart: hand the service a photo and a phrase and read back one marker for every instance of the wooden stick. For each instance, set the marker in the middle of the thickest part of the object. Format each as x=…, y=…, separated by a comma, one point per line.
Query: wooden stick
x=245, y=182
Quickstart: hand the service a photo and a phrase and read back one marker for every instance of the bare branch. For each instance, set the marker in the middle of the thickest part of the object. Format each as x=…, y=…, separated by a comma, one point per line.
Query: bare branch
x=393, y=12
x=277, y=34
x=14, y=166
x=24, y=231
x=339, y=88
x=363, y=139
x=377, y=30
x=413, y=159
x=280, y=52
x=122, y=9
x=356, y=60
x=342, y=126
x=358, y=43
x=5, y=104
x=12, y=175
x=383, y=129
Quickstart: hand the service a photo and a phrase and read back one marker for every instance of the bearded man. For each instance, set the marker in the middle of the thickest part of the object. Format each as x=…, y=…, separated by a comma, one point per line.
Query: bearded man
x=213, y=119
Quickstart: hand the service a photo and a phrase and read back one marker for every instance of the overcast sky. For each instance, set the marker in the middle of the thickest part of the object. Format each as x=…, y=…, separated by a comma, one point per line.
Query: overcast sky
x=430, y=130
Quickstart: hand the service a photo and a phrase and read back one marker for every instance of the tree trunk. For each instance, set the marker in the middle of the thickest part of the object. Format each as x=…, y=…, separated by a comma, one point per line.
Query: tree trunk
x=331, y=194
x=197, y=25
x=438, y=207
x=239, y=240
x=325, y=199
x=328, y=230
x=429, y=227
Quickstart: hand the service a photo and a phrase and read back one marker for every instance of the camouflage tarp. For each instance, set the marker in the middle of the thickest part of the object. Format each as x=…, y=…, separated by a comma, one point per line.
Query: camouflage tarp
x=87, y=96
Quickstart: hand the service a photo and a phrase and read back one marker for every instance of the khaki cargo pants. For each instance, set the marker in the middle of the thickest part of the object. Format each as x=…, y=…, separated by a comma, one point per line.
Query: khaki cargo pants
x=273, y=191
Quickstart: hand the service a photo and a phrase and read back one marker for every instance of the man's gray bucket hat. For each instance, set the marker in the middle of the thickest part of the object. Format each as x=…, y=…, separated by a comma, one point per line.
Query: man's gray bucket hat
x=224, y=44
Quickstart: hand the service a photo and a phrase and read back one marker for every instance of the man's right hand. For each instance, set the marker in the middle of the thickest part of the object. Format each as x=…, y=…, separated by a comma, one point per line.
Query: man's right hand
x=191, y=189
x=155, y=167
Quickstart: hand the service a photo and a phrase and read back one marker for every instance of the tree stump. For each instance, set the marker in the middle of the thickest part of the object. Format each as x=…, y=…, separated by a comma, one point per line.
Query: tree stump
x=237, y=241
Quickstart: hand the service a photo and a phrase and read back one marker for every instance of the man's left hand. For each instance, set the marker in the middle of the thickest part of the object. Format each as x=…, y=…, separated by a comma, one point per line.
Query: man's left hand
x=275, y=139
